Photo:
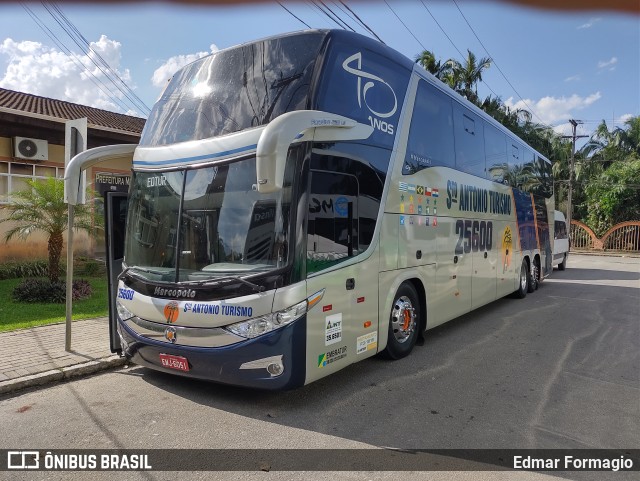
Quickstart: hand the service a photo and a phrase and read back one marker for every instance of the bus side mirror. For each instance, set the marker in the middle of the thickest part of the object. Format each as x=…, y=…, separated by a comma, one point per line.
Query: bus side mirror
x=86, y=159
x=274, y=142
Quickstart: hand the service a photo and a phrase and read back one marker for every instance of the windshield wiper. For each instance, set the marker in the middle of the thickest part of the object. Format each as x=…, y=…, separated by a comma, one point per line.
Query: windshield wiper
x=218, y=280
x=127, y=271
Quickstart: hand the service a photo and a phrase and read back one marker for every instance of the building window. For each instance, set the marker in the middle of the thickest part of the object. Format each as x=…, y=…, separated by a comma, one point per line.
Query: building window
x=13, y=177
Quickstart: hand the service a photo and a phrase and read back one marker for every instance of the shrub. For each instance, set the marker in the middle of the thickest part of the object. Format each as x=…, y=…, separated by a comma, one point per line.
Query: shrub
x=16, y=269
x=43, y=290
x=89, y=267
x=81, y=289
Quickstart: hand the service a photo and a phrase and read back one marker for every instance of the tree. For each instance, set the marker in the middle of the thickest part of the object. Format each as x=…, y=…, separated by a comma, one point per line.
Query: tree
x=614, y=195
x=428, y=61
x=42, y=208
x=609, y=146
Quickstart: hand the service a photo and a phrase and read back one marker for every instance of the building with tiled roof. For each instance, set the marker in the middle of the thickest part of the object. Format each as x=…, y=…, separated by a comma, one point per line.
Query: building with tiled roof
x=44, y=113
x=32, y=138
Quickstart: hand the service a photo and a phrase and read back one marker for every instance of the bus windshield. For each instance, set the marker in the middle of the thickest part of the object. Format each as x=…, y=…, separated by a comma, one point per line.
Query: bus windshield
x=234, y=89
x=200, y=224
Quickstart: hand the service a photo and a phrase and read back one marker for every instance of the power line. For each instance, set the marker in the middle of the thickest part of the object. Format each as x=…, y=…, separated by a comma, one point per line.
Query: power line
x=442, y=29
x=140, y=103
x=362, y=22
x=405, y=25
x=340, y=20
x=315, y=4
x=294, y=15
x=105, y=68
x=348, y=14
x=496, y=64
x=73, y=57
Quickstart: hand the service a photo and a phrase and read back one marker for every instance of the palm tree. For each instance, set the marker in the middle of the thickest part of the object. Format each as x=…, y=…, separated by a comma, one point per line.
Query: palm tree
x=633, y=134
x=469, y=73
x=42, y=208
x=612, y=145
x=428, y=61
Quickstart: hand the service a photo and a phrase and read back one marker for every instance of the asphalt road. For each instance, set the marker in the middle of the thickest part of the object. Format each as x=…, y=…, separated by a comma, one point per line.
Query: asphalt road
x=558, y=369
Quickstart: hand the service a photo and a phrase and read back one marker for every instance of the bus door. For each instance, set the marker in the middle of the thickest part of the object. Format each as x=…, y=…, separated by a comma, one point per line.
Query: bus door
x=115, y=216
x=344, y=326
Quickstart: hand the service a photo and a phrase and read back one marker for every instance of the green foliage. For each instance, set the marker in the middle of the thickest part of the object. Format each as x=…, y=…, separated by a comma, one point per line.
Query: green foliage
x=16, y=315
x=45, y=291
x=87, y=267
x=41, y=208
x=606, y=173
x=16, y=270
x=614, y=195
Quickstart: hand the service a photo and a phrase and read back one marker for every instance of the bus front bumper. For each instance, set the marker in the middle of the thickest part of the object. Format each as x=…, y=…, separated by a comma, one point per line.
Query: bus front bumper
x=248, y=363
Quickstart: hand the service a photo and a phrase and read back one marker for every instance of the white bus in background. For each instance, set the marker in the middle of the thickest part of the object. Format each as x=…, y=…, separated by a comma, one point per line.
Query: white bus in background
x=306, y=201
x=560, y=241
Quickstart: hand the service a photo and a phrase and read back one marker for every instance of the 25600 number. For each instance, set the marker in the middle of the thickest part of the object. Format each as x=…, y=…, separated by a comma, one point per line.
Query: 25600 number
x=474, y=235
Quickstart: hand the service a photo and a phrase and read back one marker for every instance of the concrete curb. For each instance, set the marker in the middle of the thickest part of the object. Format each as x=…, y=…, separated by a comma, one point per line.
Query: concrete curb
x=55, y=375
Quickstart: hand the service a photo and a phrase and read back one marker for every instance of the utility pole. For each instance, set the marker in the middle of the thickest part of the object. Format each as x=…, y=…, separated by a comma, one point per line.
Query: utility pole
x=574, y=125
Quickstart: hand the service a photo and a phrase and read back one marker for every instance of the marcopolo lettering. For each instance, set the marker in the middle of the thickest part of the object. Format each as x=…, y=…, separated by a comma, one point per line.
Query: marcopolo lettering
x=160, y=291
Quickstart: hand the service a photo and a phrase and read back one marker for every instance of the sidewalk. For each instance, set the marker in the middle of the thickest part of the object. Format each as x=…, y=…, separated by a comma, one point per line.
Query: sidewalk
x=36, y=356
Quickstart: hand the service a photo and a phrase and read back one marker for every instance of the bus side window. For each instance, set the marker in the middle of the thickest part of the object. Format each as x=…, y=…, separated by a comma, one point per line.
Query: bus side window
x=469, y=141
x=431, y=132
x=333, y=219
x=528, y=177
x=546, y=177
x=495, y=145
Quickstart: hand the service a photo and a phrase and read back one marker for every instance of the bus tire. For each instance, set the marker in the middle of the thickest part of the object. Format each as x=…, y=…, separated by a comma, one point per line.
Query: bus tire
x=524, y=281
x=404, y=322
x=534, y=276
x=563, y=265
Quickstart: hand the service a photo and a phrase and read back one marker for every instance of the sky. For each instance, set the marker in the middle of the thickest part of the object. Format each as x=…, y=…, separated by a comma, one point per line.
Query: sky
x=559, y=65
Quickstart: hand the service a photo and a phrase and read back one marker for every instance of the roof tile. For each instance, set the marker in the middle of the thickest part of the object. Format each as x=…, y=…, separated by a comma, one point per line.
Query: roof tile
x=66, y=110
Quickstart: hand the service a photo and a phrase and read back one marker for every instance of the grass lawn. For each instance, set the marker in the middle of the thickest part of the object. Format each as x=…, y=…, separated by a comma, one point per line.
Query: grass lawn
x=16, y=315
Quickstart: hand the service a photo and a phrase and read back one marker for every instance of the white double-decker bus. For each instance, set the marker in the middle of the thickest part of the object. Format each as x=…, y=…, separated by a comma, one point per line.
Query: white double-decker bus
x=304, y=202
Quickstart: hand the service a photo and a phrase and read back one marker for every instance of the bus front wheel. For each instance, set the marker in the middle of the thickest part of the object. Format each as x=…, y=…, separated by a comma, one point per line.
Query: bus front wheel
x=404, y=322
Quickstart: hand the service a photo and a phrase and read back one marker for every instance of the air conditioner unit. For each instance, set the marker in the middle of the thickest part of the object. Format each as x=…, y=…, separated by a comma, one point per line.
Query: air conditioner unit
x=31, y=149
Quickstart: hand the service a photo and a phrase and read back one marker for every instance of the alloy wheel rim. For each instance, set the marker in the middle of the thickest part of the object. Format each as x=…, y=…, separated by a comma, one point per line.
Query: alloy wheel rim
x=403, y=319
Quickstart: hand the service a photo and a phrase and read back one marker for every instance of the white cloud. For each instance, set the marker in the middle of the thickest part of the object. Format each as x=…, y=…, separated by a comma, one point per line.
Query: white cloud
x=554, y=110
x=625, y=117
x=164, y=73
x=38, y=69
x=573, y=78
x=610, y=64
x=589, y=24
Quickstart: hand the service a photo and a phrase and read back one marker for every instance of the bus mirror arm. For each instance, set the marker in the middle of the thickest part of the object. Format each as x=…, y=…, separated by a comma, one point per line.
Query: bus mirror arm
x=274, y=142
x=86, y=159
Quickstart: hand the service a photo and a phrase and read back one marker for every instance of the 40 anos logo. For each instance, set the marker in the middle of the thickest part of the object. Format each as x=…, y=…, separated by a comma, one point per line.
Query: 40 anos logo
x=353, y=65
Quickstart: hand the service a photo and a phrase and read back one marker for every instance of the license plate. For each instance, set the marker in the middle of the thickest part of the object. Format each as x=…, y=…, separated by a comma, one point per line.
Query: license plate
x=174, y=362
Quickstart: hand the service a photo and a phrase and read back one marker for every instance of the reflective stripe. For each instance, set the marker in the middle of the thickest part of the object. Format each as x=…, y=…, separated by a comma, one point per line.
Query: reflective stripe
x=213, y=156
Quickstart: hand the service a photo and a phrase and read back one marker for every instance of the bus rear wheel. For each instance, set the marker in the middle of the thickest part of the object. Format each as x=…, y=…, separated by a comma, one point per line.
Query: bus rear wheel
x=404, y=322
x=534, y=276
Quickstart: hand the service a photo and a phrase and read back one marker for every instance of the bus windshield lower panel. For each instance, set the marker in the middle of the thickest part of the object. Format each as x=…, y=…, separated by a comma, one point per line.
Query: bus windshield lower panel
x=200, y=224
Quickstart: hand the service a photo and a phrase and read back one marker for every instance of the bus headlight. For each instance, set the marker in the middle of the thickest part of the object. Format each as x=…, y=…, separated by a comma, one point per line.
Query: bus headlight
x=123, y=312
x=261, y=325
